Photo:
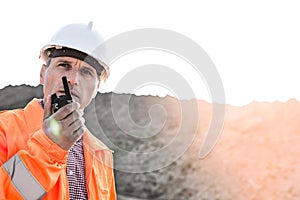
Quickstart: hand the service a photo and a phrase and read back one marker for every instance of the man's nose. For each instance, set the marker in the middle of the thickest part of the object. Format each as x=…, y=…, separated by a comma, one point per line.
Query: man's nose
x=73, y=78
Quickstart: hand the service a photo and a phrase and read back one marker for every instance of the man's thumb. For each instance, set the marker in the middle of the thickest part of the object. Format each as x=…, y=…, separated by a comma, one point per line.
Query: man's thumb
x=47, y=107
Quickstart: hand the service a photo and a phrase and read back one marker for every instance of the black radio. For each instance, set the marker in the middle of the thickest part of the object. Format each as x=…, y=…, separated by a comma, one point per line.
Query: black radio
x=62, y=100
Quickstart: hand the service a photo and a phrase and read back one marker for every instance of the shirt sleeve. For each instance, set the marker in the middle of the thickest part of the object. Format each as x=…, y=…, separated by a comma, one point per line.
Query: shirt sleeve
x=31, y=172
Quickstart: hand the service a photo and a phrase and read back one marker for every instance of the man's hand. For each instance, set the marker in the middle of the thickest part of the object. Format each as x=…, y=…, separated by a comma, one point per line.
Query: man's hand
x=65, y=126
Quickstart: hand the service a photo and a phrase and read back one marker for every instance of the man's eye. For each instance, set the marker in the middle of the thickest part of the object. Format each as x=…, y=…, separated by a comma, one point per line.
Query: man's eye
x=86, y=72
x=64, y=65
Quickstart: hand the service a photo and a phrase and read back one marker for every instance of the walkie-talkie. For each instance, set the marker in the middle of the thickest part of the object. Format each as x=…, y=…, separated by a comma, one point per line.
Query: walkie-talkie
x=62, y=100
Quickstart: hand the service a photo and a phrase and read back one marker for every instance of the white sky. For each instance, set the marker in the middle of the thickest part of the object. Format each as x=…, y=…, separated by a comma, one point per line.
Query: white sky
x=255, y=45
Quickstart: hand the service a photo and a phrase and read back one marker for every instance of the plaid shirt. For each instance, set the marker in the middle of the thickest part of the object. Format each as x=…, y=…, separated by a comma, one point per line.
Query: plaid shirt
x=76, y=172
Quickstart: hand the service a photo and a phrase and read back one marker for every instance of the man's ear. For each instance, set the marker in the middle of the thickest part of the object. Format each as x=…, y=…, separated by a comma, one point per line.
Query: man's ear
x=98, y=85
x=42, y=74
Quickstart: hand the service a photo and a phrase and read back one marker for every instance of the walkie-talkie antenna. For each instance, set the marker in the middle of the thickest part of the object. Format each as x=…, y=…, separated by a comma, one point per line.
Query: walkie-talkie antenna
x=66, y=87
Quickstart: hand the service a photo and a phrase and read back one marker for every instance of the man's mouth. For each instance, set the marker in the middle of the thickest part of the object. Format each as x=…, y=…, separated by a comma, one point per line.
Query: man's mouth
x=73, y=94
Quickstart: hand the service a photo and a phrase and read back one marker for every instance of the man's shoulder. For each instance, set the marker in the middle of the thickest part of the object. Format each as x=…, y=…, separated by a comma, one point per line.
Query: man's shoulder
x=94, y=143
x=19, y=116
x=11, y=121
x=10, y=114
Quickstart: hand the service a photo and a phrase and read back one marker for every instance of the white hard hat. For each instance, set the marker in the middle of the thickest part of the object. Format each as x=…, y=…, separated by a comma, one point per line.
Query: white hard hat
x=82, y=39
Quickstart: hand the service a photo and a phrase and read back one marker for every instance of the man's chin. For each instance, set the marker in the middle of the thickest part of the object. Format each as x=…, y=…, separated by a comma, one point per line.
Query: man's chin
x=76, y=99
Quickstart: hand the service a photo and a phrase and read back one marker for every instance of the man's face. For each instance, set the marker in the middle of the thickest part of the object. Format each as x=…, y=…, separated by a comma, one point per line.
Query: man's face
x=82, y=77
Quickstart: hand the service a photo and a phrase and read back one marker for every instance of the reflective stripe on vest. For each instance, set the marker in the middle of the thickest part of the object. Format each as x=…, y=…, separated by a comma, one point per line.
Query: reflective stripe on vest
x=22, y=179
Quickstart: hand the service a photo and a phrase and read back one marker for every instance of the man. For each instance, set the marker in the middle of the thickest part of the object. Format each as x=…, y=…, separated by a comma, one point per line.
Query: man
x=51, y=155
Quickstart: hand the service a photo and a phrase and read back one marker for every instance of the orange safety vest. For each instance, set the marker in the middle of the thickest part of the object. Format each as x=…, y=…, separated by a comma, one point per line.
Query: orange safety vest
x=34, y=167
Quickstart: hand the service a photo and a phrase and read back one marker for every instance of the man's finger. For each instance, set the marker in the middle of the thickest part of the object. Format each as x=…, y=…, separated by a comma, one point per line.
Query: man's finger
x=47, y=107
x=66, y=110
